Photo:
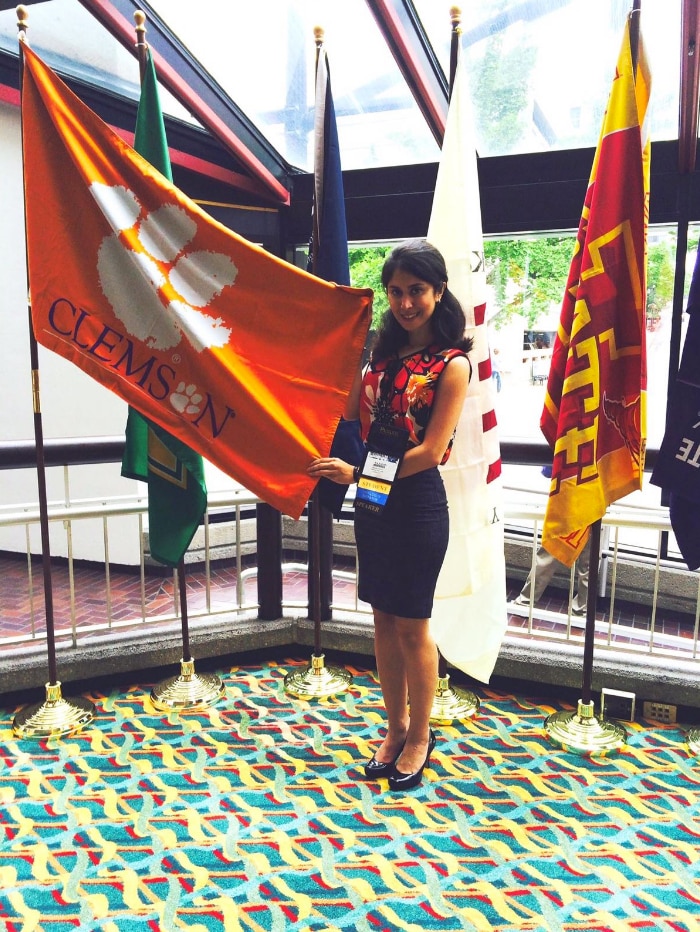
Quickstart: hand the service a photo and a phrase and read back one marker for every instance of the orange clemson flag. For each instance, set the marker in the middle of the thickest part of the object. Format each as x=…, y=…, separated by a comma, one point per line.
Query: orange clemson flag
x=594, y=415
x=243, y=357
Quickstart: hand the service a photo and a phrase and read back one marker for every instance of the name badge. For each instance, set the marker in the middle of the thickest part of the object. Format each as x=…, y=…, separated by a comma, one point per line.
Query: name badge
x=386, y=446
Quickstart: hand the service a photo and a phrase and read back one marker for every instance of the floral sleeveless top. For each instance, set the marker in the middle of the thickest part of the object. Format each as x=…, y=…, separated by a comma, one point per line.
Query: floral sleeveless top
x=400, y=391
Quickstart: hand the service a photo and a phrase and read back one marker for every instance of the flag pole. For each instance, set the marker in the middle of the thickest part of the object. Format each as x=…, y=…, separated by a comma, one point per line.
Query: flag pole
x=451, y=702
x=56, y=716
x=187, y=690
x=582, y=730
x=317, y=680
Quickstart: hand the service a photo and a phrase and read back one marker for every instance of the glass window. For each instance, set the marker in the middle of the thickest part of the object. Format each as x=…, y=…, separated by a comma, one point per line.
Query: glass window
x=74, y=43
x=527, y=277
x=263, y=55
x=541, y=72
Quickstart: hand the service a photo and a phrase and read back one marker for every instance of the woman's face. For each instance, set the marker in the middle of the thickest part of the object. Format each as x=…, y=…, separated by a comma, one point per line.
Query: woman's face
x=411, y=300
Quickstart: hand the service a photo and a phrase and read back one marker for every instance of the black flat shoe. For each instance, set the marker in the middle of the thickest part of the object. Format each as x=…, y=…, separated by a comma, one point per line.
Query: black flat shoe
x=406, y=781
x=376, y=770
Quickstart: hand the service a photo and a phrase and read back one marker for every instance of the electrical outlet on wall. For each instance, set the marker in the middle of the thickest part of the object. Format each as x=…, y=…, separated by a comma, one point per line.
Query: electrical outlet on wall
x=614, y=703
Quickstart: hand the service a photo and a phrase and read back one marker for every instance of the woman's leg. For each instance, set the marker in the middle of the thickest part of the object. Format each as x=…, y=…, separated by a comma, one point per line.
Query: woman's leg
x=392, y=678
x=420, y=661
x=407, y=664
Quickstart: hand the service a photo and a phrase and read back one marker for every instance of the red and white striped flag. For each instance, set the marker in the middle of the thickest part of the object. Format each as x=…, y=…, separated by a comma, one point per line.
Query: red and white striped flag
x=469, y=614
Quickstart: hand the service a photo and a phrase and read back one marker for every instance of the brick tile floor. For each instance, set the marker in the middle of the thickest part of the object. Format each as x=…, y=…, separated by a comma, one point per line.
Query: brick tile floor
x=92, y=602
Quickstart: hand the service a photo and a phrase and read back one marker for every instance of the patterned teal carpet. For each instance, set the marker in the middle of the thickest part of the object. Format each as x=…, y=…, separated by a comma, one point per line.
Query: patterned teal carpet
x=248, y=816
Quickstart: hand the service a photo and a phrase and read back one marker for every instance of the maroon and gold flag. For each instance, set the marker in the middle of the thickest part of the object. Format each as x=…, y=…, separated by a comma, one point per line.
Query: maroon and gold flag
x=241, y=356
x=594, y=415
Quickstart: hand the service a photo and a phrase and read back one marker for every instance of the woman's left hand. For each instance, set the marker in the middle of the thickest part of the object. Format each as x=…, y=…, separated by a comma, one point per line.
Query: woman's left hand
x=330, y=467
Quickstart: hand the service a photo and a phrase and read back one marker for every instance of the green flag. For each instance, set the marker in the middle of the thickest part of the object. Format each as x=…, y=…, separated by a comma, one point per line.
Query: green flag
x=177, y=492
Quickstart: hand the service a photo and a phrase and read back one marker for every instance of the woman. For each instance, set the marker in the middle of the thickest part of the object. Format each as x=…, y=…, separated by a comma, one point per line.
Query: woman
x=417, y=379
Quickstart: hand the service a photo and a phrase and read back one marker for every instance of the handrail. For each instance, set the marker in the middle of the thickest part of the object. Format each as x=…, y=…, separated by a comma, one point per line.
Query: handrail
x=123, y=505
x=21, y=454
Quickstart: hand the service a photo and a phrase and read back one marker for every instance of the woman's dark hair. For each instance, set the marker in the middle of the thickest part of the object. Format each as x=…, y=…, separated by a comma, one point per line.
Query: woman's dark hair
x=418, y=257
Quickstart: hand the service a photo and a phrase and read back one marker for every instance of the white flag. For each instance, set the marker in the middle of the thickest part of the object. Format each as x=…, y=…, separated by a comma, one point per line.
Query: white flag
x=469, y=615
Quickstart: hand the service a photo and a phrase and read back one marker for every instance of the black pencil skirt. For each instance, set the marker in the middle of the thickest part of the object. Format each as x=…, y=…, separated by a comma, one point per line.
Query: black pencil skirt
x=401, y=550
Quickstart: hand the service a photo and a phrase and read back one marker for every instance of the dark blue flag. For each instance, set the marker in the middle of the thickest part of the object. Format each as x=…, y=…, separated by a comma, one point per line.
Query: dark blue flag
x=328, y=252
x=677, y=469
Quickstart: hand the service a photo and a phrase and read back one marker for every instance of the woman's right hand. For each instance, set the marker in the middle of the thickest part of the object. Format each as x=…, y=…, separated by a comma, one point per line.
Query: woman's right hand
x=330, y=467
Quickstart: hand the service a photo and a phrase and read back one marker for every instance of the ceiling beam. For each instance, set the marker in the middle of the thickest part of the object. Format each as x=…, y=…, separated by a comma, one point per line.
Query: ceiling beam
x=690, y=73
x=414, y=55
x=190, y=84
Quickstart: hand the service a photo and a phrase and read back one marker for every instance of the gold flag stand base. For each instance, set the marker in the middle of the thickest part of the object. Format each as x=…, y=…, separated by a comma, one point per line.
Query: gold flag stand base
x=452, y=703
x=693, y=740
x=317, y=680
x=189, y=690
x=582, y=731
x=56, y=717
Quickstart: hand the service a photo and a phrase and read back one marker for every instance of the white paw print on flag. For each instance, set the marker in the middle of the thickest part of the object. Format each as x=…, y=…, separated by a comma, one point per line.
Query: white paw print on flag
x=186, y=399
x=169, y=287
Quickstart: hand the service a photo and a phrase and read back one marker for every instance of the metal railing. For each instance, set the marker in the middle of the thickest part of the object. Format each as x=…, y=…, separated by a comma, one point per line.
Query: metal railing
x=648, y=604
x=645, y=604
x=152, y=597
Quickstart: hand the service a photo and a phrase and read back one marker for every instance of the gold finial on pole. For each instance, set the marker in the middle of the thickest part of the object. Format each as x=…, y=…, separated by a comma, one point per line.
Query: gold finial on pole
x=141, y=44
x=140, y=20
x=319, y=34
x=22, y=21
x=455, y=39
